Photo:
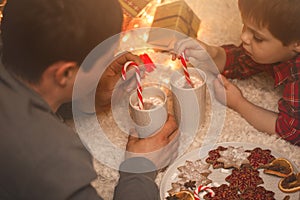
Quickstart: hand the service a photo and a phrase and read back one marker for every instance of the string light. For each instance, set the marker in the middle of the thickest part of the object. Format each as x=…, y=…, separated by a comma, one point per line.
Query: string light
x=131, y=38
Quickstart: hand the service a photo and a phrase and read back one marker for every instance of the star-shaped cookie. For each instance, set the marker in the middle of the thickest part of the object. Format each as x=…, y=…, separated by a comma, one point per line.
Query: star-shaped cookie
x=191, y=174
x=258, y=193
x=223, y=192
x=213, y=155
x=233, y=157
x=259, y=158
x=198, y=165
x=244, y=178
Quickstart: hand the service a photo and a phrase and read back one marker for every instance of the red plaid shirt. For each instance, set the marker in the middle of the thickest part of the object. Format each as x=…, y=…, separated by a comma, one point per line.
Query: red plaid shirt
x=239, y=65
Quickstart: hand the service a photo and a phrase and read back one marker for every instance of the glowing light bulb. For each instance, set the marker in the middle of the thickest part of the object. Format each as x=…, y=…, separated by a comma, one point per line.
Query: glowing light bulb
x=150, y=19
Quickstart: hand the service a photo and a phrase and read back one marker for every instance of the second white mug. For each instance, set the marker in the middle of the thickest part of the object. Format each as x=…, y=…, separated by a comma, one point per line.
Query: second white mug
x=189, y=103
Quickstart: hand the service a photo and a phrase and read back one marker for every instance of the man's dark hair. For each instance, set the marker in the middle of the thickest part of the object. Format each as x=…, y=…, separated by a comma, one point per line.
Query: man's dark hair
x=38, y=33
x=280, y=17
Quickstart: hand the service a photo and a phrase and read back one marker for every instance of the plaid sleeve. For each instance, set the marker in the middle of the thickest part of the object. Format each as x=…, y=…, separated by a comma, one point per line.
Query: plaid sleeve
x=239, y=65
x=288, y=121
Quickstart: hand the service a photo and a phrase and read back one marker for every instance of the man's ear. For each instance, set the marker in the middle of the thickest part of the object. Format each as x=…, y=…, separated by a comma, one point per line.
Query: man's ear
x=65, y=72
x=296, y=46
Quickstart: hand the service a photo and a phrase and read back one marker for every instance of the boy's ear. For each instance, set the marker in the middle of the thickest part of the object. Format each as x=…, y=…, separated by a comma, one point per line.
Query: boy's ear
x=65, y=72
x=296, y=46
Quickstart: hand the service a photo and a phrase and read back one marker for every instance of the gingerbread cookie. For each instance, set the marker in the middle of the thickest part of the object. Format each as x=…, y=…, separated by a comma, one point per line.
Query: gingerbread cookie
x=244, y=178
x=176, y=187
x=258, y=193
x=233, y=157
x=213, y=156
x=198, y=165
x=223, y=192
x=194, y=171
x=260, y=158
x=191, y=175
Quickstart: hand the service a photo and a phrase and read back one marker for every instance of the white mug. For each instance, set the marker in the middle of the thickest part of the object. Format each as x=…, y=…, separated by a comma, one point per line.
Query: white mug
x=152, y=118
x=189, y=104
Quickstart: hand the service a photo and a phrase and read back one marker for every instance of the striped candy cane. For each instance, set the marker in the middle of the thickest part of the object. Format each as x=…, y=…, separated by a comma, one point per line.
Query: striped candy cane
x=201, y=189
x=139, y=89
x=185, y=70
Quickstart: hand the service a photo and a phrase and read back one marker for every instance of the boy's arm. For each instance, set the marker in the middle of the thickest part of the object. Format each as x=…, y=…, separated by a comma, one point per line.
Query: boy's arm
x=230, y=60
x=218, y=55
x=239, y=65
x=262, y=119
x=288, y=121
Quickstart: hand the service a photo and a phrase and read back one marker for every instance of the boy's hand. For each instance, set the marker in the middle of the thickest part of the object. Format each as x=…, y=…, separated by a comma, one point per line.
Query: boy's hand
x=110, y=77
x=161, y=148
x=227, y=93
x=260, y=118
x=191, y=48
x=200, y=52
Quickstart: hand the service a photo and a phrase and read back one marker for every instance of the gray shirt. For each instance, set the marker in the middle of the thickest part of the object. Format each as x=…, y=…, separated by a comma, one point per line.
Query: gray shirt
x=43, y=159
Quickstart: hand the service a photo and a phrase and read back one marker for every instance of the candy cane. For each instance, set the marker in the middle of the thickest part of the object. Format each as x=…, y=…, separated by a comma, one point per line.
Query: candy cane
x=185, y=70
x=201, y=189
x=139, y=89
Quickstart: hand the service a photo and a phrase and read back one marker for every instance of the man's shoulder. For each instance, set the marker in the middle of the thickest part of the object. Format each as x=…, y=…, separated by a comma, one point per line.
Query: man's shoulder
x=38, y=151
x=29, y=129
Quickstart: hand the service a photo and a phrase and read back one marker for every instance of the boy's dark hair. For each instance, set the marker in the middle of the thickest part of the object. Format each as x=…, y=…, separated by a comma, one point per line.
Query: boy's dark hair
x=280, y=17
x=38, y=33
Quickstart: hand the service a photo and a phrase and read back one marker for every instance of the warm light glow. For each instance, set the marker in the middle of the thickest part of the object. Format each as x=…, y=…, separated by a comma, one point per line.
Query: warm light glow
x=150, y=51
x=125, y=38
x=149, y=19
x=174, y=65
x=147, y=14
x=132, y=39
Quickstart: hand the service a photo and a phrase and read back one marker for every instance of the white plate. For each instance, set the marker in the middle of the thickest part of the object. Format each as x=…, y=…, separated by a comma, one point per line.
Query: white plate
x=270, y=182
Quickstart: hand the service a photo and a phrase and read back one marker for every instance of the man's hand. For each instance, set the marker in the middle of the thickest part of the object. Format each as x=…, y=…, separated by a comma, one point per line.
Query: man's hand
x=161, y=148
x=110, y=77
x=227, y=93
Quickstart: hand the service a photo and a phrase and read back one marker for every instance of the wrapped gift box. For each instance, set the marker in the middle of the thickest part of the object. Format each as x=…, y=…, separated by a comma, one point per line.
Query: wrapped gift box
x=133, y=7
x=176, y=16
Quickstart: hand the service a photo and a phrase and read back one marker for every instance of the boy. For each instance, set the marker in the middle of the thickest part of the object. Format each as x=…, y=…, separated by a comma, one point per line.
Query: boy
x=44, y=43
x=270, y=42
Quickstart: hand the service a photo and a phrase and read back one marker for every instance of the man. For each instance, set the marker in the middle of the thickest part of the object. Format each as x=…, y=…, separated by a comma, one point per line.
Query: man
x=44, y=43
